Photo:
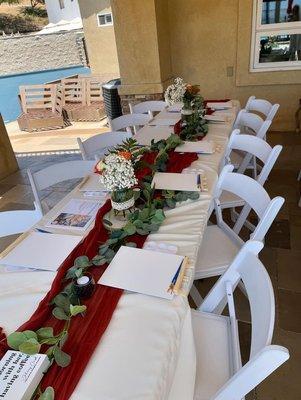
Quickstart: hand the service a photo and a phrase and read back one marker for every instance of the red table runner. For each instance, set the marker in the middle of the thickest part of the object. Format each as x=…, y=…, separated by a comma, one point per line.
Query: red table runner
x=85, y=334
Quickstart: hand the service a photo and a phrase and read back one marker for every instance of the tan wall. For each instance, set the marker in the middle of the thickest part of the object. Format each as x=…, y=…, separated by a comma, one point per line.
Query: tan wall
x=100, y=41
x=8, y=162
x=207, y=37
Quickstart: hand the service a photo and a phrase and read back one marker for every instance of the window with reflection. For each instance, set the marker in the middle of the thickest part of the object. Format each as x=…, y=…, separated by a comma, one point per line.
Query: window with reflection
x=276, y=35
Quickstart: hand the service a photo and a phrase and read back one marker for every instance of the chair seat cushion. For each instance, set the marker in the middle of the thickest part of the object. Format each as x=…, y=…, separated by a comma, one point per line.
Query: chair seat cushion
x=216, y=253
x=228, y=199
x=213, y=353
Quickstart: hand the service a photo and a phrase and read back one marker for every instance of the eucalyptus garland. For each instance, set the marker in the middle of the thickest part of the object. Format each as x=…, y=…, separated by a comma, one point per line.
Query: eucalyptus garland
x=146, y=219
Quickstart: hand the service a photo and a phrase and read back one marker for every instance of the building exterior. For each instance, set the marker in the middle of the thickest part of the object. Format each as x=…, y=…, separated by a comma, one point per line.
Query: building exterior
x=233, y=48
x=58, y=10
x=99, y=33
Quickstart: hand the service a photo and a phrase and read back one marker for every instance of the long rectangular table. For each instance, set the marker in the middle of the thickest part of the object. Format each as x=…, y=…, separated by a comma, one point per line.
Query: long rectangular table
x=147, y=352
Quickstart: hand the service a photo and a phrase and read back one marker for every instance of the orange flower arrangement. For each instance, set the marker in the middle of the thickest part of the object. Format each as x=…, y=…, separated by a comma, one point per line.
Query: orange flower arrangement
x=125, y=154
x=193, y=89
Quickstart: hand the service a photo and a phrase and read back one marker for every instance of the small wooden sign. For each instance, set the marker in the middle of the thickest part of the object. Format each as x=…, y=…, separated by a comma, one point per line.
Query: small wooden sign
x=20, y=374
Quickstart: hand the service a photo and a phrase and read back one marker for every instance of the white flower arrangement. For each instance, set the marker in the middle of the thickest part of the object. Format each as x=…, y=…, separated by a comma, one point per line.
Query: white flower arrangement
x=117, y=173
x=175, y=92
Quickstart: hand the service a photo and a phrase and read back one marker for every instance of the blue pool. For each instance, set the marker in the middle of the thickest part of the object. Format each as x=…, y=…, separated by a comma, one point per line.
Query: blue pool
x=9, y=87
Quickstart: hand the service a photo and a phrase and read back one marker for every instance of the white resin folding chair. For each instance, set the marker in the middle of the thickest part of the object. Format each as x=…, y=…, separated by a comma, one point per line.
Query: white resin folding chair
x=98, y=145
x=128, y=121
x=220, y=374
x=148, y=107
x=220, y=242
x=57, y=173
x=18, y=221
x=252, y=146
x=253, y=124
x=263, y=107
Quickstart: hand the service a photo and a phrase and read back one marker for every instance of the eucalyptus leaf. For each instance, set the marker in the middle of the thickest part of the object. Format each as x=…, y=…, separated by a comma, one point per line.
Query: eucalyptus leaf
x=48, y=394
x=61, y=358
x=98, y=260
x=62, y=301
x=130, y=229
x=82, y=262
x=30, y=335
x=30, y=347
x=79, y=272
x=59, y=313
x=75, y=310
x=131, y=244
x=45, y=333
x=15, y=339
x=63, y=339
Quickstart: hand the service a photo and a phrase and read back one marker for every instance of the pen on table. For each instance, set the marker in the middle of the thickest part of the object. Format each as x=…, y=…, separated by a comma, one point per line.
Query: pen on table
x=41, y=230
x=199, y=181
x=174, y=280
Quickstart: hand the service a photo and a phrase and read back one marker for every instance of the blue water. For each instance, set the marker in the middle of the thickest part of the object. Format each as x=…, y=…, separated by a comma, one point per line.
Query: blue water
x=9, y=87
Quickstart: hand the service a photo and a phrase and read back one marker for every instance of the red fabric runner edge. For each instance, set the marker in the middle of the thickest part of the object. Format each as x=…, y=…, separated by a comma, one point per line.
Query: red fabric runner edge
x=85, y=334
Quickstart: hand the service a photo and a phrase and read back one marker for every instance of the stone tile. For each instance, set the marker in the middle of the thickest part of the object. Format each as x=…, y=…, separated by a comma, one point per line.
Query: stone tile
x=5, y=188
x=289, y=271
x=279, y=235
x=289, y=310
x=268, y=256
x=18, y=194
x=6, y=241
x=16, y=206
x=284, y=383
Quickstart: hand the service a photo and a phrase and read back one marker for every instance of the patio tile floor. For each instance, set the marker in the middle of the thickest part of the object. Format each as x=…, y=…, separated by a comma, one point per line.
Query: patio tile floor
x=281, y=256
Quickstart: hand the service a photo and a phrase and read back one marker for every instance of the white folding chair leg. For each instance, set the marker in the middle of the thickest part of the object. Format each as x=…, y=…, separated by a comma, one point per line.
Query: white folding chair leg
x=195, y=295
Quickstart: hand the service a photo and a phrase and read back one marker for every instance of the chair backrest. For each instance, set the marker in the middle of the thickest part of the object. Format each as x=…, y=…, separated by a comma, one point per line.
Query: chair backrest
x=129, y=121
x=148, y=107
x=57, y=173
x=264, y=357
x=247, y=121
x=264, y=107
x=102, y=142
x=255, y=197
x=38, y=97
x=19, y=221
x=74, y=90
x=253, y=146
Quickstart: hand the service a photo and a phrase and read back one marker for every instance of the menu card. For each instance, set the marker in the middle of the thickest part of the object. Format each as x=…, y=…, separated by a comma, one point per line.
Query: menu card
x=143, y=271
x=77, y=214
x=174, y=181
x=45, y=251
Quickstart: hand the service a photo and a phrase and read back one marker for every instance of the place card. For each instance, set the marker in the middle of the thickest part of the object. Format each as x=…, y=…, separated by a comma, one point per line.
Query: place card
x=148, y=133
x=20, y=374
x=200, y=147
x=220, y=105
x=164, y=121
x=174, y=181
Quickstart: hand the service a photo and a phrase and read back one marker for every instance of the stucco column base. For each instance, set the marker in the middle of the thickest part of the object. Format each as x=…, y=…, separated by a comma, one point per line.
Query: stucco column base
x=8, y=162
x=126, y=99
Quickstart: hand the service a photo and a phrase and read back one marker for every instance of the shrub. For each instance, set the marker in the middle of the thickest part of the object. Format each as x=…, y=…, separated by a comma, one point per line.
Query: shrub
x=14, y=24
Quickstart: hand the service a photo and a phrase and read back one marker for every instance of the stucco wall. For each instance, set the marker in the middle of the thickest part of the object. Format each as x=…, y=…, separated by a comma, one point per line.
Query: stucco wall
x=100, y=40
x=29, y=53
x=208, y=38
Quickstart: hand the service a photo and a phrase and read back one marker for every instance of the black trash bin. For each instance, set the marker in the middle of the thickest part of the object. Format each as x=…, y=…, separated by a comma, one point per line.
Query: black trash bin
x=111, y=98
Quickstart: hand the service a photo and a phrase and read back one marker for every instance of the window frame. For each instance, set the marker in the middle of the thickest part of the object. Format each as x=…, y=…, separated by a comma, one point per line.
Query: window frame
x=259, y=29
x=104, y=14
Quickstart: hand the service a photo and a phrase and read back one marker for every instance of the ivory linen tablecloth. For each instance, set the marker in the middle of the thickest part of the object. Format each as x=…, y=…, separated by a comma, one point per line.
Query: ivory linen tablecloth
x=147, y=352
